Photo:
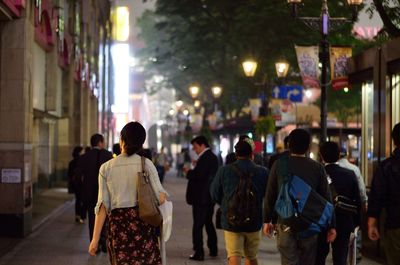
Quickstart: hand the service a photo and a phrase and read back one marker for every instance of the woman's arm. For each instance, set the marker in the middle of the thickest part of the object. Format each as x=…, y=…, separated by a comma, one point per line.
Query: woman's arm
x=98, y=225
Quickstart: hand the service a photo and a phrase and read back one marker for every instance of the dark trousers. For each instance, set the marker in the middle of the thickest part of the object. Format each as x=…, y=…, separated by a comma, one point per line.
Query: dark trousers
x=202, y=216
x=295, y=250
x=91, y=218
x=79, y=208
x=340, y=248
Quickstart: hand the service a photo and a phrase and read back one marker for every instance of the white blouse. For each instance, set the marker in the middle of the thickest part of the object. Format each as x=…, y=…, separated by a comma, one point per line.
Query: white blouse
x=118, y=182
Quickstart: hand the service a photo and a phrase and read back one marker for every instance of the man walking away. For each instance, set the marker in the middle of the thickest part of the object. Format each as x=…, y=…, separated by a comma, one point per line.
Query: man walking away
x=88, y=167
x=198, y=195
x=385, y=194
x=240, y=241
x=276, y=156
x=296, y=250
x=344, y=162
x=343, y=183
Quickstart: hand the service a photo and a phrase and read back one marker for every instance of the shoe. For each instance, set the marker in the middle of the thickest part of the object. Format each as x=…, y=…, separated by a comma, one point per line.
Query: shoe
x=196, y=256
x=214, y=253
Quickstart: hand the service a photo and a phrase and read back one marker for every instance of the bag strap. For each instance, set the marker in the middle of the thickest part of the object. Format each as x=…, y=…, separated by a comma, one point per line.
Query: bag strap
x=239, y=172
x=147, y=177
x=283, y=168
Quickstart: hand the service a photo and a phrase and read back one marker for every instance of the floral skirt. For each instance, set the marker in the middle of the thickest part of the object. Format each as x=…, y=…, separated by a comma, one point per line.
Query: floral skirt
x=130, y=240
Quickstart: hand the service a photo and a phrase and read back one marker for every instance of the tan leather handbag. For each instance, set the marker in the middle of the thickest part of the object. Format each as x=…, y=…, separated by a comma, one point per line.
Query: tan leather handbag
x=147, y=200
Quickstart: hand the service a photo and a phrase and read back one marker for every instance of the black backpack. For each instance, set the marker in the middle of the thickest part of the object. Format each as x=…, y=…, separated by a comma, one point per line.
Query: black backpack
x=243, y=209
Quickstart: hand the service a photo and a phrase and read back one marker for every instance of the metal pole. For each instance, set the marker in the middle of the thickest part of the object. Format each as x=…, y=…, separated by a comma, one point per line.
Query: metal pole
x=324, y=87
x=324, y=57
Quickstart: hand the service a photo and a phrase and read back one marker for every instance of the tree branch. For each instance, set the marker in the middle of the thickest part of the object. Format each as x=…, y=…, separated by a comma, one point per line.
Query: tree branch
x=390, y=28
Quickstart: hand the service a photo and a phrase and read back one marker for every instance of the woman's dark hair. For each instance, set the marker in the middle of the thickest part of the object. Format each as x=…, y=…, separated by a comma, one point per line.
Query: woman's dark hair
x=77, y=151
x=299, y=141
x=133, y=135
x=330, y=152
x=396, y=135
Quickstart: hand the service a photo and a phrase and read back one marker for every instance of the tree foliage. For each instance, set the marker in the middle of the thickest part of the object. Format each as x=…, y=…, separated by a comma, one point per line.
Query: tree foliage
x=205, y=41
x=389, y=11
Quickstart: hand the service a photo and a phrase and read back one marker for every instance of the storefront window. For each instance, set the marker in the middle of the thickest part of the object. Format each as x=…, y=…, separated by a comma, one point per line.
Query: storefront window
x=367, y=132
x=395, y=99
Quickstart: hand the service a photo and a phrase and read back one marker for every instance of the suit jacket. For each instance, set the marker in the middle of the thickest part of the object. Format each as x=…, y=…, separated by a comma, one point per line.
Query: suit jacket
x=200, y=178
x=88, y=167
x=345, y=183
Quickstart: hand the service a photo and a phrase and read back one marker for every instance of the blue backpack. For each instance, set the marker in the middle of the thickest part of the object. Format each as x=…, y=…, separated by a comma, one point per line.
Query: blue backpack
x=299, y=206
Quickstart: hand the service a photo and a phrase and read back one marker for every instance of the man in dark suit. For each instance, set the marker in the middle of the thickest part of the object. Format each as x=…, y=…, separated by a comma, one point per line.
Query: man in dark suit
x=88, y=167
x=344, y=183
x=198, y=195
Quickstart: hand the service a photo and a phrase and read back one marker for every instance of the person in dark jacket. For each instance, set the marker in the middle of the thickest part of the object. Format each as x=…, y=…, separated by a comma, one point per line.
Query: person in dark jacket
x=88, y=167
x=276, y=156
x=385, y=194
x=344, y=183
x=295, y=249
x=75, y=184
x=222, y=188
x=198, y=195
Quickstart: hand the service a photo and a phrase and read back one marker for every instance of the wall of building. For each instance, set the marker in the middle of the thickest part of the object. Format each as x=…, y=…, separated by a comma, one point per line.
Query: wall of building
x=49, y=77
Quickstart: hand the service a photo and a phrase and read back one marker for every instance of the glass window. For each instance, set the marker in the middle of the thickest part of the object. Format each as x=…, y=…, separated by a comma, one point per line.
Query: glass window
x=395, y=99
x=367, y=132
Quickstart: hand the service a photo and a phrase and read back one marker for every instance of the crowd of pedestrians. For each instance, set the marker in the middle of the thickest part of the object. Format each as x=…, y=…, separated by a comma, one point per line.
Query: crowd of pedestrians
x=248, y=194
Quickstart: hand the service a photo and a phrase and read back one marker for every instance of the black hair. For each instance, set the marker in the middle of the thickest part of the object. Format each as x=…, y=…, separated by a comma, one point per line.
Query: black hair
x=243, y=136
x=96, y=139
x=330, y=152
x=396, y=135
x=116, y=149
x=230, y=158
x=243, y=149
x=77, y=151
x=200, y=140
x=146, y=153
x=133, y=135
x=286, y=142
x=299, y=141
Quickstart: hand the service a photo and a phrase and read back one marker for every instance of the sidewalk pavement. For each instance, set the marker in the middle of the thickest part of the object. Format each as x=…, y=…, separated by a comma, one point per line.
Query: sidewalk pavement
x=59, y=240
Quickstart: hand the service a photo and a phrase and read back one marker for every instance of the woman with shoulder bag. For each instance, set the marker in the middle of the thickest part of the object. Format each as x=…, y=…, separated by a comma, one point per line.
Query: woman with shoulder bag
x=130, y=240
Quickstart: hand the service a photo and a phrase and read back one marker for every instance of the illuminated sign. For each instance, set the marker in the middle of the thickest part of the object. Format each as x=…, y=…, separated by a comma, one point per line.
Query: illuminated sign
x=120, y=19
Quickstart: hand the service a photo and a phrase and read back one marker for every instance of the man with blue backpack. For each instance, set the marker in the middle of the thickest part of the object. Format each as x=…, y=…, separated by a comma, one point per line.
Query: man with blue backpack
x=298, y=204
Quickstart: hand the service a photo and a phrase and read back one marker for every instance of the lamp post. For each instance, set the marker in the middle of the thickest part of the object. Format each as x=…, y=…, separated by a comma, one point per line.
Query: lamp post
x=324, y=23
x=216, y=91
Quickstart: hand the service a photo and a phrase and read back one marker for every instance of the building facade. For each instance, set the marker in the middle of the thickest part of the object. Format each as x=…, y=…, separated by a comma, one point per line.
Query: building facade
x=53, y=80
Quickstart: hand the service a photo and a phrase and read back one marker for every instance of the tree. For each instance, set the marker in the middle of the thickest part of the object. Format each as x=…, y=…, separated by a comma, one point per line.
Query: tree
x=389, y=11
x=204, y=41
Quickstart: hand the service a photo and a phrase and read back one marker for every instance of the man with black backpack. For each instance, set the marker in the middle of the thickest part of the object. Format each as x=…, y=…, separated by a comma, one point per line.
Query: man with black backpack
x=297, y=243
x=239, y=189
x=385, y=194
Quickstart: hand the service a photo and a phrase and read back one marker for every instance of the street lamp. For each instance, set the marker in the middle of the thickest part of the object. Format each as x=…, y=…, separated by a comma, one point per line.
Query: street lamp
x=323, y=24
x=194, y=91
x=217, y=91
x=282, y=68
x=249, y=67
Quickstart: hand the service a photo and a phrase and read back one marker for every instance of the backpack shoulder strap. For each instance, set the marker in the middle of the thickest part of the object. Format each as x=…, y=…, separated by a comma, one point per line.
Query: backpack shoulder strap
x=283, y=168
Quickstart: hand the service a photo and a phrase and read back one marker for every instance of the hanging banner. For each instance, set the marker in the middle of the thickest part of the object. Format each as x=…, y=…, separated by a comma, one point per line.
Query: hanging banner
x=339, y=57
x=307, y=58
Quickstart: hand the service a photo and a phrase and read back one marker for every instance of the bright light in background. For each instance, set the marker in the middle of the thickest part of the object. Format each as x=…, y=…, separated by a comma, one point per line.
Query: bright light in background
x=158, y=79
x=346, y=89
x=308, y=93
x=120, y=19
x=179, y=103
x=185, y=112
x=121, y=59
x=224, y=146
x=171, y=112
x=250, y=135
